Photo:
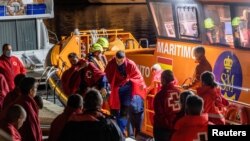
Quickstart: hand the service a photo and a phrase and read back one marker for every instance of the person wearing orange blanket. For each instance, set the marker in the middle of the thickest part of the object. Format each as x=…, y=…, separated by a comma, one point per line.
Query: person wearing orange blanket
x=166, y=106
x=194, y=125
x=74, y=106
x=31, y=130
x=71, y=77
x=214, y=102
x=14, y=119
x=127, y=91
x=10, y=65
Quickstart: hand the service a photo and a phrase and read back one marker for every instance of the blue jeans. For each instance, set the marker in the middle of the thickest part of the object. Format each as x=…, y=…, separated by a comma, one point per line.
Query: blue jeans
x=125, y=94
x=131, y=113
x=136, y=110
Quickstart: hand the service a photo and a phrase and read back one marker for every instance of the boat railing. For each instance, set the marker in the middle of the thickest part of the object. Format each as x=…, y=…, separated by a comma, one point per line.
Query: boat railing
x=104, y=31
x=238, y=116
x=53, y=37
x=234, y=87
x=117, y=39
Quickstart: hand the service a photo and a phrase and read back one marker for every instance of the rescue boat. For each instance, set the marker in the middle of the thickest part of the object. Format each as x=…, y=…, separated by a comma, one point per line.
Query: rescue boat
x=80, y=43
x=174, y=51
x=117, y=1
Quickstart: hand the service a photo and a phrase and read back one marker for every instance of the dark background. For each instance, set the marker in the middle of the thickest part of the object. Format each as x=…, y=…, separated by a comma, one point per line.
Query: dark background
x=71, y=14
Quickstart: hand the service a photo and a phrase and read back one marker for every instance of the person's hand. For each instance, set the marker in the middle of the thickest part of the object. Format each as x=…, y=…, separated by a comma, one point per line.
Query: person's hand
x=185, y=86
x=103, y=92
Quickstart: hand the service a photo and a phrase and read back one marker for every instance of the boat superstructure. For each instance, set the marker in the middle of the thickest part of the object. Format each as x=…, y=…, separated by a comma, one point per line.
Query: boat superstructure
x=178, y=33
x=117, y=1
x=22, y=26
x=80, y=43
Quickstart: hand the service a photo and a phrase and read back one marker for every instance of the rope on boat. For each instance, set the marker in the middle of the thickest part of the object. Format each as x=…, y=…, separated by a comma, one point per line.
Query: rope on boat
x=94, y=36
x=105, y=33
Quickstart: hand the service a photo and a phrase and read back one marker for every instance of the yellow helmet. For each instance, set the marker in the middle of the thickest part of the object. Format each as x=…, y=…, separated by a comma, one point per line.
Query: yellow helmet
x=103, y=42
x=236, y=21
x=96, y=47
x=209, y=23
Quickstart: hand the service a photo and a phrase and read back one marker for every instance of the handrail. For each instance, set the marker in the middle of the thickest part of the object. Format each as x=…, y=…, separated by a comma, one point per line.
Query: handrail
x=235, y=87
x=239, y=103
x=102, y=34
x=101, y=30
x=56, y=38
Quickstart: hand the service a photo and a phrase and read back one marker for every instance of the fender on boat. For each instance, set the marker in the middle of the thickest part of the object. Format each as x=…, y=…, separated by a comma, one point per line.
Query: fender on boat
x=236, y=114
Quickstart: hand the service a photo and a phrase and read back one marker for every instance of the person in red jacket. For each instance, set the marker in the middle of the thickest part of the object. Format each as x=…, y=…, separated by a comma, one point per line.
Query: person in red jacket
x=214, y=102
x=10, y=66
x=194, y=125
x=15, y=93
x=166, y=106
x=31, y=130
x=202, y=66
x=71, y=77
x=128, y=90
x=4, y=90
x=14, y=119
x=92, y=77
x=74, y=106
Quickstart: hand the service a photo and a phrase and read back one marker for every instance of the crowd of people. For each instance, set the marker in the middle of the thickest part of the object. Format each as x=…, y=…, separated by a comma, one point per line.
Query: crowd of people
x=94, y=86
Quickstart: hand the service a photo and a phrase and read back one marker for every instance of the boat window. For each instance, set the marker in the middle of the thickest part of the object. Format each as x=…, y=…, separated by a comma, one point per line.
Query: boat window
x=163, y=18
x=218, y=25
x=241, y=26
x=187, y=22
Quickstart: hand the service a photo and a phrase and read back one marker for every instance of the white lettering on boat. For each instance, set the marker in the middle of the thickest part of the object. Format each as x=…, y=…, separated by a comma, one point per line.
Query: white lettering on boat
x=175, y=49
x=145, y=70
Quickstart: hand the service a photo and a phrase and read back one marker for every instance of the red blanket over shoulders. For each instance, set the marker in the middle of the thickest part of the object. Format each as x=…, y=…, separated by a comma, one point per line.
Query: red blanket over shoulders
x=133, y=75
x=30, y=131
